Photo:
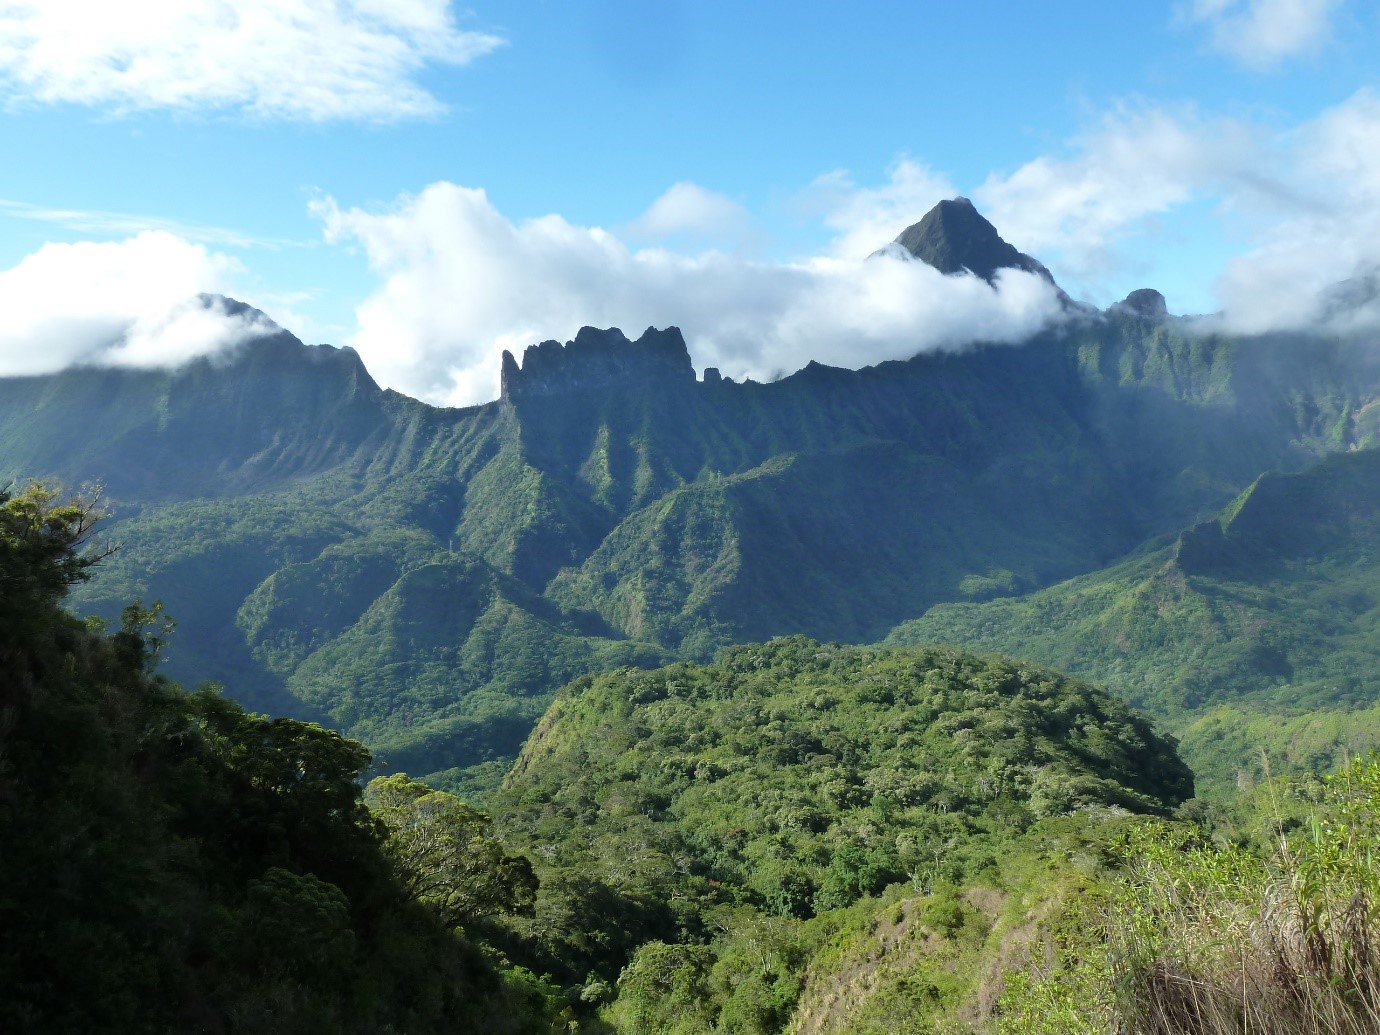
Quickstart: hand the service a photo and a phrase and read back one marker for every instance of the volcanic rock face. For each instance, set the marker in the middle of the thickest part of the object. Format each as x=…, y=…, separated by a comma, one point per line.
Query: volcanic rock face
x=597, y=359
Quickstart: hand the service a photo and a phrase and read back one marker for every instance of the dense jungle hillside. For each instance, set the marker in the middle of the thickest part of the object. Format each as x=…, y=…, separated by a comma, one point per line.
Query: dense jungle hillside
x=797, y=838
x=173, y=863
x=425, y=578
x=736, y=819
x=1252, y=631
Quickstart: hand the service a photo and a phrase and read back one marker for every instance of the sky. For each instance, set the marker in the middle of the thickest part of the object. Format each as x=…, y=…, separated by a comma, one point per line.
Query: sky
x=432, y=183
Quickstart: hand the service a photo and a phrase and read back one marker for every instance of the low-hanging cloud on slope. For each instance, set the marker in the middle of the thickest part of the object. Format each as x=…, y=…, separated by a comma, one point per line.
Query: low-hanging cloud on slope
x=1326, y=232
x=458, y=281
x=132, y=303
x=461, y=283
x=310, y=60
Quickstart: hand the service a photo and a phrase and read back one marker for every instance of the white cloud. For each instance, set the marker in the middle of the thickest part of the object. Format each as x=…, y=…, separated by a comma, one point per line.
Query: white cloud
x=1305, y=201
x=1138, y=164
x=312, y=60
x=687, y=211
x=1326, y=230
x=121, y=303
x=866, y=218
x=461, y=283
x=1261, y=34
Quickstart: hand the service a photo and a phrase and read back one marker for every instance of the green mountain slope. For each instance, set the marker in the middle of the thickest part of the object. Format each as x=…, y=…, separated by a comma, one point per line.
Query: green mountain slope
x=172, y=863
x=278, y=411
x=309, y=530
x=1254, y=630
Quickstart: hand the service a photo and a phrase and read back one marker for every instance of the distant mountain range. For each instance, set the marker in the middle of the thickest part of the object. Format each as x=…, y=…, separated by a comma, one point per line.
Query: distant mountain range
x=424, y=578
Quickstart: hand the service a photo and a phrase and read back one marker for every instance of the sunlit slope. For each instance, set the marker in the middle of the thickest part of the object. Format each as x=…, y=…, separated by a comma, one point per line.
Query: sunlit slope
x=1272, y=609
x=719, y=827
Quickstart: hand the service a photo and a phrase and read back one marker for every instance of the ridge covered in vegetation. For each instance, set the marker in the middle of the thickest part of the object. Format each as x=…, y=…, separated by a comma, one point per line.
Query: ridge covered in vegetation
x=171, y=862
x=707, y=808
x=1253, y=631
x=343, y=554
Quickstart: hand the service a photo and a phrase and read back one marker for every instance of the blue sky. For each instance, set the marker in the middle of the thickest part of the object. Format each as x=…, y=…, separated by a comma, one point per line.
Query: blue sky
x=433, y=183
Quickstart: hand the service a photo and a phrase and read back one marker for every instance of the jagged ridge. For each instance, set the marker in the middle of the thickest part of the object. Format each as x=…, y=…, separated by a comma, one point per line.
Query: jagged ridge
x=597, y=359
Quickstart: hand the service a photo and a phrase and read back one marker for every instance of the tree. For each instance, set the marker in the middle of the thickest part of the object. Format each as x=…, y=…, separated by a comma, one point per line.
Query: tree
x=443, y=850
x=41, y=546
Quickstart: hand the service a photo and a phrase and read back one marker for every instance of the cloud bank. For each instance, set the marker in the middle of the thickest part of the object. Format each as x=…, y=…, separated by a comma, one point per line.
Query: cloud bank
x=307, y=60
x=1303, y=201
x=130, y=303
x=461, y=283
x=1138, y=163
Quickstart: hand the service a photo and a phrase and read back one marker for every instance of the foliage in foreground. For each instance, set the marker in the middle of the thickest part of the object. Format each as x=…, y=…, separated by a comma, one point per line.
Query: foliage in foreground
x=171, y=862
x=712, y=839
x=1206, y=939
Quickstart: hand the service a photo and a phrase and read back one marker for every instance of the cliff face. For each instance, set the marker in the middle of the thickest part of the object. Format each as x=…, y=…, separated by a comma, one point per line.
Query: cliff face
x=597, y=359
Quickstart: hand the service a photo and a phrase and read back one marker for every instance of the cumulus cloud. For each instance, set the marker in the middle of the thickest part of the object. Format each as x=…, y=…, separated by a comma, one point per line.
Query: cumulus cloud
x=461, y=283
x=1262, y=34
x=1304, y=200
x=312, y=60
x=1138, y=163
x=687, y=211
x=120, y=303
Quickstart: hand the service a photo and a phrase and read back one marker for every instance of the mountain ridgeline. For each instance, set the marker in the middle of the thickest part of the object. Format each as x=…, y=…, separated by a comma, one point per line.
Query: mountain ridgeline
x=424, y=578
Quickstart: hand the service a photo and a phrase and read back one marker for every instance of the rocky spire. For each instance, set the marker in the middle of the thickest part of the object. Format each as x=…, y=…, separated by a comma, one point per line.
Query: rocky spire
x=953, y=236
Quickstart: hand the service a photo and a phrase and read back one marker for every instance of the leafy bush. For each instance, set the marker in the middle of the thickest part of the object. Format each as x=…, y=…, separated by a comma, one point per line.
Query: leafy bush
x=1201, y=938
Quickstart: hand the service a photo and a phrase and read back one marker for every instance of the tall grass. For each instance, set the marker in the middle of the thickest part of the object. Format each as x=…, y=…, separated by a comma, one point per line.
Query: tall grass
x=1200, y=939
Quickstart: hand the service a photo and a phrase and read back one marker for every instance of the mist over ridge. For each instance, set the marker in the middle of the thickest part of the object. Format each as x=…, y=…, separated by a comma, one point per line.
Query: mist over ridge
x=947, y=282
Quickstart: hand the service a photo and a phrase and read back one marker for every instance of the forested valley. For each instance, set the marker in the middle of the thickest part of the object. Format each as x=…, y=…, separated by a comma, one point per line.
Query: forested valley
x=1016, y=689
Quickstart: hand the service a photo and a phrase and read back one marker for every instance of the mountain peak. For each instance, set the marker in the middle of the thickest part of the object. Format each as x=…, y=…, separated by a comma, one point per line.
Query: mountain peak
x=234, y=307
x=596, y=359
x=1144, y=303
x=953, y=237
